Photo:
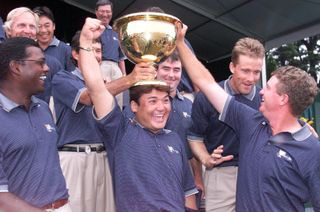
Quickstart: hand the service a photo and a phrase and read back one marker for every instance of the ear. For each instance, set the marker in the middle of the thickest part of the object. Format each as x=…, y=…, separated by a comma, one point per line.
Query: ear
x=54, y=26
x=75, y=55
x=134, y=106
x=14, y=67
x=231, y=67
x=284, y=99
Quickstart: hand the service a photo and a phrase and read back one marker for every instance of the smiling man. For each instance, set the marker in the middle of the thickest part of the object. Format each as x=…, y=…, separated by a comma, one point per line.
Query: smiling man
x=30, y=174
x=279, y=157
x=48, y=42
x=22, y=22
x=149, y=165
x=208, y=132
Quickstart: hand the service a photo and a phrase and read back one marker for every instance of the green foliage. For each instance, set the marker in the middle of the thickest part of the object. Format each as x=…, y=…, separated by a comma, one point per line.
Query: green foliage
x=304, y=54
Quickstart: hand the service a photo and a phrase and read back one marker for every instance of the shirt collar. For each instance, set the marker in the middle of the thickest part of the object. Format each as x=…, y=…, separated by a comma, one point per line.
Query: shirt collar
x=77, y=72
x=109, y=27
x=179, y=95
x=162, y=131
x=8, y=105
x=284, y=137
x=54, y=42
x=227, y=87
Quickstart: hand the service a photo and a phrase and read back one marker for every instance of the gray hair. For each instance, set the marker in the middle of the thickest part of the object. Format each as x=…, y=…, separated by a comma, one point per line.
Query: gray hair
x=15, y=13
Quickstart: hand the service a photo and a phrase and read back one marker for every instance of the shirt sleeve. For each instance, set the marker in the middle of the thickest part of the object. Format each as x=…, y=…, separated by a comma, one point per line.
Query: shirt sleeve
x=3, y=176
x=201, y=111
x=67, y=89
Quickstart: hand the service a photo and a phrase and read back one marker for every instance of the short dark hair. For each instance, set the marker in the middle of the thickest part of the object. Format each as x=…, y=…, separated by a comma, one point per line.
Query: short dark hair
x=137, y=91
x=13, y=49
x=102, y=3
x=174, y=56
x=44, y=11
x=154, y=9
x=75, y=44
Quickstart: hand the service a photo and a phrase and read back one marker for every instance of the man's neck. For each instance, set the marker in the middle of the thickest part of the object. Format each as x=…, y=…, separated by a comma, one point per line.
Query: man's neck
x=16, y=94
x=284, y=123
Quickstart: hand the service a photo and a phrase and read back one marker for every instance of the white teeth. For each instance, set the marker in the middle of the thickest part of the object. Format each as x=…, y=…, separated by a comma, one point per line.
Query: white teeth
x=43, y=77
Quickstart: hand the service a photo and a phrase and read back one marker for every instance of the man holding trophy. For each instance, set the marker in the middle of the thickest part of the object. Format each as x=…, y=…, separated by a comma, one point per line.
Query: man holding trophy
x=148, y=163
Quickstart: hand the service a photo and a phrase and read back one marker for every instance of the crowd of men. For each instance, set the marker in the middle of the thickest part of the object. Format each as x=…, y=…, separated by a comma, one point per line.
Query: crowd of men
x=86, y=152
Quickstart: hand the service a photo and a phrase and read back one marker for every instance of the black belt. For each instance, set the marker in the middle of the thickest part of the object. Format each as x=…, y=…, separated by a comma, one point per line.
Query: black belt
x=86, y=149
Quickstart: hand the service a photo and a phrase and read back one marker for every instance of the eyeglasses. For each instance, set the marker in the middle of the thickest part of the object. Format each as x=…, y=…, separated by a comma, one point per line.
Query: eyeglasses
x=41, y=62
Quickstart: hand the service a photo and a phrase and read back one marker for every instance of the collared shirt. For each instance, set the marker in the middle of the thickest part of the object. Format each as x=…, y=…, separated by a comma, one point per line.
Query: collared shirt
x=206, y=126
x=150, y=170
x=110, y=46
x=29, y=162
x=179, y=119
x=62, y=52
x=75, y=123
x=2, y=35
x=278, y=172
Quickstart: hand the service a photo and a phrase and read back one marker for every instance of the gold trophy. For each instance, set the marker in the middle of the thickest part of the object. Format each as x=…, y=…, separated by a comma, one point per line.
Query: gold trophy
x=146, y=36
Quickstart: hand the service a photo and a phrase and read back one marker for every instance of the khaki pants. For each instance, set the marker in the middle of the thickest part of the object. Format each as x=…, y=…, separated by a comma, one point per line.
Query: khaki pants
x=110, y=71
x=220, y=189
x=88, y=181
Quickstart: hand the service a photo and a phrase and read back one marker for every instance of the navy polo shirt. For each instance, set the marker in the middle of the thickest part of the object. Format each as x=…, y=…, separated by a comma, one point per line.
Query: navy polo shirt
x=62, y=52
x=75, y=123
x=29, y=162
x=179, y=119
x=150, y=171
x=2, y=35
x=54, y=67
x=110, y=46
x=206, y=126
x=277, y=173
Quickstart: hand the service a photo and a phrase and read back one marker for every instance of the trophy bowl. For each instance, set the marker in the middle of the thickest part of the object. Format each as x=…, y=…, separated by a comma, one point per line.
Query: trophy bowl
x=146, y=36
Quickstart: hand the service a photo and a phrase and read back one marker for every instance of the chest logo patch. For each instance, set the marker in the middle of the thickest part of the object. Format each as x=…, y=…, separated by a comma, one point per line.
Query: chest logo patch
x=186, y=115
x=49, y=128
x=172, y=150
x=284, y=155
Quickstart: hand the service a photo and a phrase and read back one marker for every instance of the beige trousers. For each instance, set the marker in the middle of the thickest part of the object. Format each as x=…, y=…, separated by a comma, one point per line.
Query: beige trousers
x=88, y=181
x=110, y=71
x=220, y=189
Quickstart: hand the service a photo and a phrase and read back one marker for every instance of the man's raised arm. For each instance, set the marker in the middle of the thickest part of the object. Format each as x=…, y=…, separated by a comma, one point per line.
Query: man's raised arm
x=100, y=96
x=199, y=75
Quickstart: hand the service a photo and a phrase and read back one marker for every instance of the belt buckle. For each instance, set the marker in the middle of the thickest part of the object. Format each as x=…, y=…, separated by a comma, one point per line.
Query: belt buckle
x=87, y=149
x=99, y=149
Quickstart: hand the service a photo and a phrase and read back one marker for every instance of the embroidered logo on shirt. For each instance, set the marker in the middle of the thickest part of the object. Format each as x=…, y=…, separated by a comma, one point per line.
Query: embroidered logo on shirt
x=186, y=115
x=49, y=128
x=114, y=38
x=283, y=154
x=172, y=150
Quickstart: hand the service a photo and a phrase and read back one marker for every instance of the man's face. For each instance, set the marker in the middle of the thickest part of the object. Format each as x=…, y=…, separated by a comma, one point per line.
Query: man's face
x=97, y=51
x=153, y=110
x=104, y=14
x=33, y=70
x=46, y=30
x=270, y=99
x=170, y=72
x=246, y=73
x=23, y=26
